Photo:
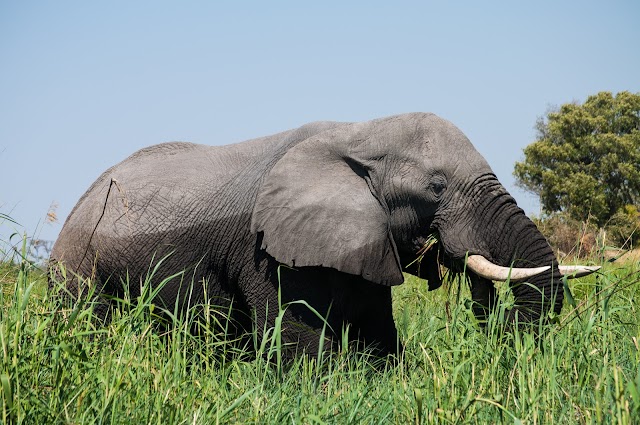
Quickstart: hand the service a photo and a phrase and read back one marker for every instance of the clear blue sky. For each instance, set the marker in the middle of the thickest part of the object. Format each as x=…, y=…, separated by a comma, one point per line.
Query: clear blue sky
x=84, y=84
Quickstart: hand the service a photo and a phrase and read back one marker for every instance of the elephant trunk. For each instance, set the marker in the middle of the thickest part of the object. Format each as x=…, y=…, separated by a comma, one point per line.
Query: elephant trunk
x=520, y=244
x=493, y=226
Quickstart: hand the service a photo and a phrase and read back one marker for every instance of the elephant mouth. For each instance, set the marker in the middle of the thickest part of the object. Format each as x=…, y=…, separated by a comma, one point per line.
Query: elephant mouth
x=432, y=252
x=432, y=255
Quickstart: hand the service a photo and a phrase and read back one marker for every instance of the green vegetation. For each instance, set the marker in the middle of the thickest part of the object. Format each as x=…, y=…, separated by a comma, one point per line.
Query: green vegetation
x=58, y=366
x=585, y=163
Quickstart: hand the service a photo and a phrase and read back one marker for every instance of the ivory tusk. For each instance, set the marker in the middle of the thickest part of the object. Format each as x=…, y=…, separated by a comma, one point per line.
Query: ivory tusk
x=485, y=268
x=577, y=271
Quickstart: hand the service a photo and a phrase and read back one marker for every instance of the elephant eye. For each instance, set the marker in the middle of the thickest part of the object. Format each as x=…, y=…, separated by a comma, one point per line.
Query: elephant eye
x=438, y=186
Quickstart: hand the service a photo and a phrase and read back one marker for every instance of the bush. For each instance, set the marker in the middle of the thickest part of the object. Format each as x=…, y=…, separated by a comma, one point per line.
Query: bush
x=624, y=227
x=573, y=238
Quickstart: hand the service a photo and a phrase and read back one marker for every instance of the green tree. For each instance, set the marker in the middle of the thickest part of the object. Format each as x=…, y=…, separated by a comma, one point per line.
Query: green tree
x=586, y=159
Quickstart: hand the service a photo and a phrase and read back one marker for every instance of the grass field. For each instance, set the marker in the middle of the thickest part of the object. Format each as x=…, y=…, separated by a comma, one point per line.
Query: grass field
x=59, y=367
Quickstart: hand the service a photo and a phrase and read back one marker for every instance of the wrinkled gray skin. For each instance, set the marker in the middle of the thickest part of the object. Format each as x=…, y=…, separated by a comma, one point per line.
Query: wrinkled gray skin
x=347, y=205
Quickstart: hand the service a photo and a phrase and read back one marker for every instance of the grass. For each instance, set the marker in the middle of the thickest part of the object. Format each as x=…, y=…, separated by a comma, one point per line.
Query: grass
x=58, y=366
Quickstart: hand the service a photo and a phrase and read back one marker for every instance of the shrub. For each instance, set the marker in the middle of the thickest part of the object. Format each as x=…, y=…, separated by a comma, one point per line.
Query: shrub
x=573, y=238
x=624, y=227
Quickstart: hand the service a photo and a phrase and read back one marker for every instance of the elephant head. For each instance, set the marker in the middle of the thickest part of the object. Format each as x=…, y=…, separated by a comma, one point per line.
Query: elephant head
x=363, y=198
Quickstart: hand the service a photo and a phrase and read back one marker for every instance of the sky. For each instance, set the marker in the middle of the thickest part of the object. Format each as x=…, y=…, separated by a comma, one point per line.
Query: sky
x=85, y=84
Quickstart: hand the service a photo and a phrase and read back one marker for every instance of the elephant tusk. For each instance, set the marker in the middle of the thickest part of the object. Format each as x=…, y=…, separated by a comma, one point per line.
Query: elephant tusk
x=577, y=271
x=485, y=268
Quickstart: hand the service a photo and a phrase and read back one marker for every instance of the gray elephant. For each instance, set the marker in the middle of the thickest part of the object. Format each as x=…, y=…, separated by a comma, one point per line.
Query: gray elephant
x=347, y=207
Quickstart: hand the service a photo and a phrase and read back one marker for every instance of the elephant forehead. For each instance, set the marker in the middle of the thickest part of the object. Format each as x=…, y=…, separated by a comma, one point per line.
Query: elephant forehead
x=418, y=138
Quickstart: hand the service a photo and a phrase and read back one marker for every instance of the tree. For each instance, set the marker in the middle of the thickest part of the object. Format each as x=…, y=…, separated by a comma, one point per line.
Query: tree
x=586, y=159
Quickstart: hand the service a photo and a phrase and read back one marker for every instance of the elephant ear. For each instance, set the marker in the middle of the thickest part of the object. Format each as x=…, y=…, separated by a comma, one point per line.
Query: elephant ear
x=317, y=207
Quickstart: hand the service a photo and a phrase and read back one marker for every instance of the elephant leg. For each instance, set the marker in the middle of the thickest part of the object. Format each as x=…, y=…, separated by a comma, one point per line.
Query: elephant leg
x=301, y=328
x=371, y=314
x=484, y=296
x=346, y=302
x=333, y=302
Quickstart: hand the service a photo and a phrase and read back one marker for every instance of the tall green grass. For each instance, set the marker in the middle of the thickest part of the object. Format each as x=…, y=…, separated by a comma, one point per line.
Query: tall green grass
x=58, y=365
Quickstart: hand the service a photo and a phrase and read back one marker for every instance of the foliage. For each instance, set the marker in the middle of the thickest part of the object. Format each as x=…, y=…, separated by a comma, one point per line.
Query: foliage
x=59, y=366
x=569, y=237
x=583, y=239
x=586, y=160
x=624, y=227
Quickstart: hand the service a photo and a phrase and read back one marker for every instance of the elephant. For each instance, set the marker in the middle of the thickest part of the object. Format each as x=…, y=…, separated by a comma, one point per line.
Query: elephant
x=331, y=213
